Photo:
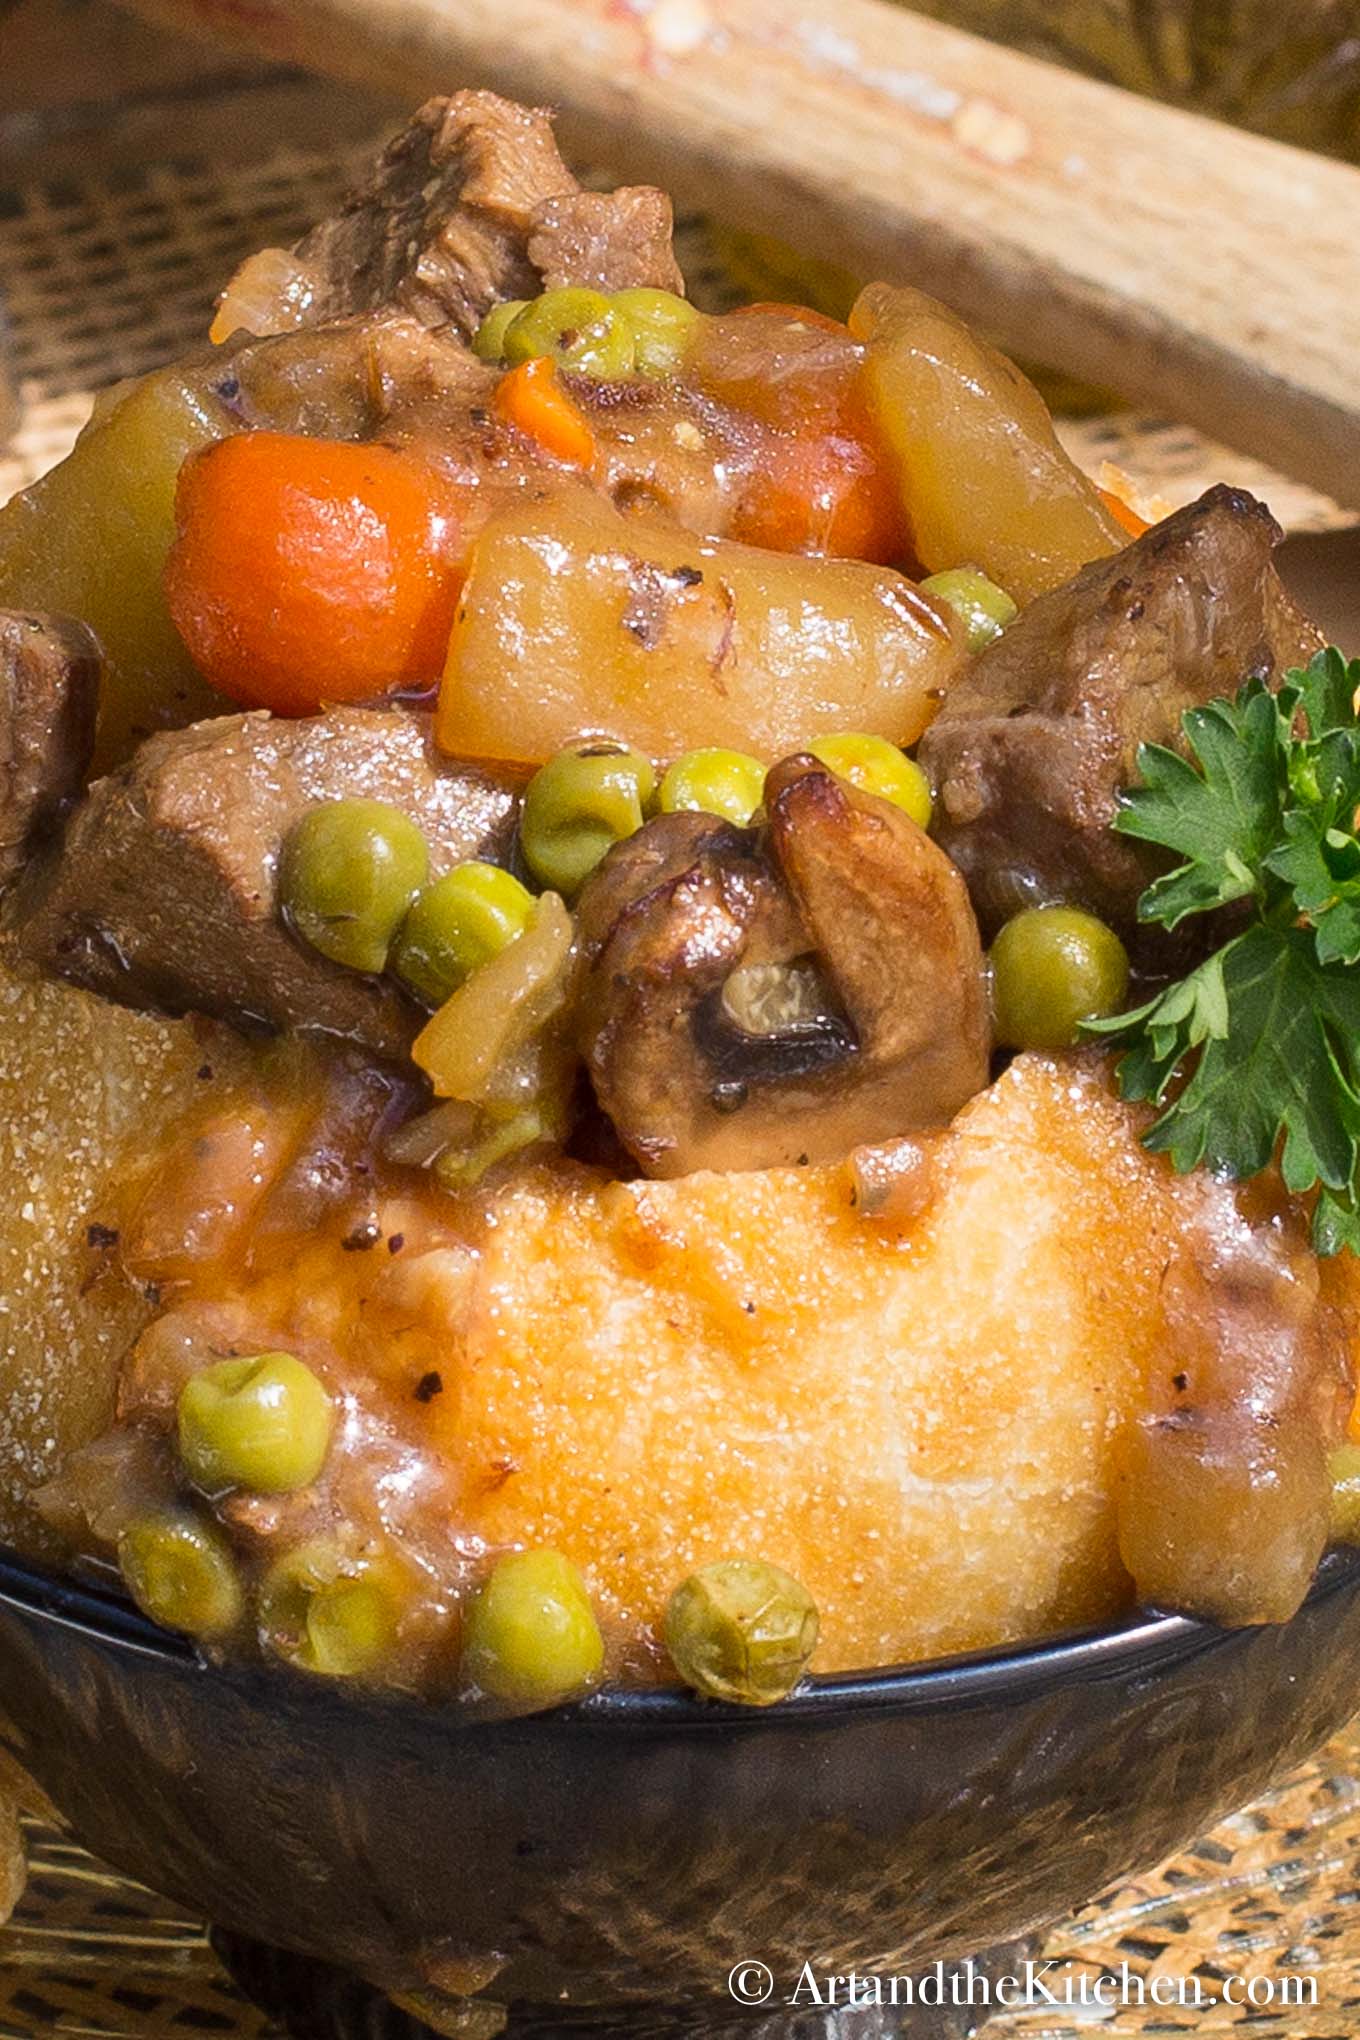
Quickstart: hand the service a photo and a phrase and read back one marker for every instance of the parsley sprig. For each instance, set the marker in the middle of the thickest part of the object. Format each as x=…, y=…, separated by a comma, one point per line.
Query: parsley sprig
x=1259, y=1047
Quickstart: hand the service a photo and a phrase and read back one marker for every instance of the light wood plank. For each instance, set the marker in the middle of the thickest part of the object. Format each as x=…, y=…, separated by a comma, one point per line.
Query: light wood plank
x=1187, y=264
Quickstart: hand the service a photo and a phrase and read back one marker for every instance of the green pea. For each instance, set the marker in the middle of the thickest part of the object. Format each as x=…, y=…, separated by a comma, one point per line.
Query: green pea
x=663, y=326
x=1052, y=968
x=983, y=608
x=349, y=870
x=578, y=329
x=876, y=766
x=531, y=1636
x=262, y=1423
x=578, y=806
x=328, y=1612
x=714, y=782
x=741, y=1630
x=456, y=925
x=1344, y=1470
x=488, y=343
x=180, y=1572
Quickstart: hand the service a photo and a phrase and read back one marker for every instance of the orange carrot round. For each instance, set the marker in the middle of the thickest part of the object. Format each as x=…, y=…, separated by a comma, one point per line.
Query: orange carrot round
x=814, y=472
x=828, y=491
x=308, y=571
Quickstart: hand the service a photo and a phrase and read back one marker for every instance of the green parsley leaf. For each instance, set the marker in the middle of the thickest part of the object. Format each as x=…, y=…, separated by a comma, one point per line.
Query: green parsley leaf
x=1255, y=1054
x=1221, y=812
x=1320, y=863
x=1325, y=690
x=1336, y=1223
x=1287, y=1061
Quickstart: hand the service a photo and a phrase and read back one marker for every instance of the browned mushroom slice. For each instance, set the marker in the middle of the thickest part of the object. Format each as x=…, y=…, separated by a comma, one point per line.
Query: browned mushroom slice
x=773, y=996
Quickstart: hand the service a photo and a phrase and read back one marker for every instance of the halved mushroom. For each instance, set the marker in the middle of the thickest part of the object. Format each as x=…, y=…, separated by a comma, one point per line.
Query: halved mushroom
x=779, y=995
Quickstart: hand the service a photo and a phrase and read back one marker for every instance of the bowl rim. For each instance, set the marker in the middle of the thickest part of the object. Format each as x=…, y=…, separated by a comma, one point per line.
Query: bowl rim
x=1010, y=1672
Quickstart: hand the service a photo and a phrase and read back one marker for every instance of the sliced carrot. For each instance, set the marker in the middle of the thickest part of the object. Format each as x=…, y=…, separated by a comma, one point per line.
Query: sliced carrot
x=813, y=474
x=532, y=398
x=1123, y=513
x=828, y=494
x=314, y=570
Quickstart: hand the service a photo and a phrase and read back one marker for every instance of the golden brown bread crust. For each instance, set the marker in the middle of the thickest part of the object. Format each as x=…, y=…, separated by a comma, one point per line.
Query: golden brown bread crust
x=930, y=1425
x=933, y=1419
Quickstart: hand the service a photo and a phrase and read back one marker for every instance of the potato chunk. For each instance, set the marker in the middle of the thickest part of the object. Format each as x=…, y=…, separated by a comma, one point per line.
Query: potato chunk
x=90, y=540
x=577, y=620
x=984, y=481
x=86, y=1091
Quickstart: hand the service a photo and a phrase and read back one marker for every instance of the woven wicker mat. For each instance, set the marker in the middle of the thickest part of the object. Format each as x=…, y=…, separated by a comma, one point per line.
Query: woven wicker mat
x=101, y=282
x=97, y=283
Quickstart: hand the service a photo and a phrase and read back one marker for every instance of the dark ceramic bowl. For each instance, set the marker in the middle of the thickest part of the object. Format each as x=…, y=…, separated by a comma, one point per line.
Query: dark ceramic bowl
x=606, y=1866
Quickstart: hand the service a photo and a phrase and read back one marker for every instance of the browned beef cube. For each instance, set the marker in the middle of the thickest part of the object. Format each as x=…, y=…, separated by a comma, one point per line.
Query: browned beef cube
x=471, y=203
x=164, y=893
x=49, y=691
x=1038, y=736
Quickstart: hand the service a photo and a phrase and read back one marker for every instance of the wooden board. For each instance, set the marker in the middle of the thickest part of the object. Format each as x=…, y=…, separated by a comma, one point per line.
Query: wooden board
x=1144, y=248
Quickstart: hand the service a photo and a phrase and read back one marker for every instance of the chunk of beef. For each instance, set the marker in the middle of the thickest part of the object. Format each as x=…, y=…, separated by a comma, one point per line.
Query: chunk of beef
x=1037, y=737
x=606, y=240
x=49, y=692
x=471, y=203
x=423, y=380
x=164, y=892
x=757, y=998
x=373, y=374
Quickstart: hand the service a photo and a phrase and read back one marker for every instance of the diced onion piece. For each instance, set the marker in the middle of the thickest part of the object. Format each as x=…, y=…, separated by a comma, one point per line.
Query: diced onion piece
x=271, y=292
x=462, y=1167
x=1343, y=1471
x=893, y=1180
x=207, y=1189
x=496, y=1011
x=422, y=1140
